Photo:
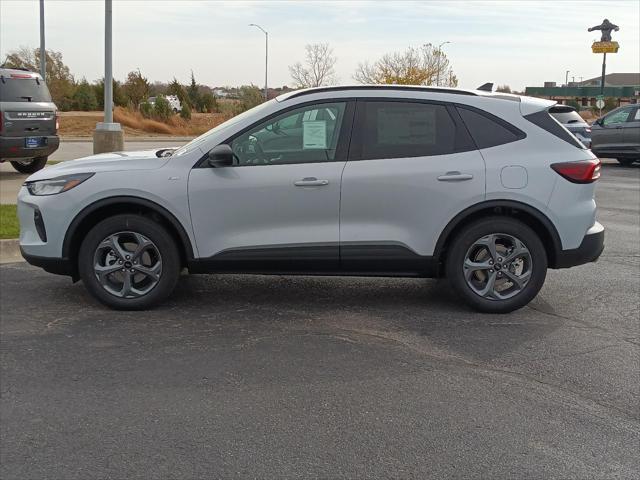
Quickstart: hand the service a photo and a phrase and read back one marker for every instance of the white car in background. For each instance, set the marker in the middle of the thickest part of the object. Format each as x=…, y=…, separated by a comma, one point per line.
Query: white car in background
x=486, y=189
x=174, y=102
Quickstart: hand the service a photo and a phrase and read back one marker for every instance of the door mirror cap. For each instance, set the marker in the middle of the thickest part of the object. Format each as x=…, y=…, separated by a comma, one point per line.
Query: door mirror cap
x=220, y=156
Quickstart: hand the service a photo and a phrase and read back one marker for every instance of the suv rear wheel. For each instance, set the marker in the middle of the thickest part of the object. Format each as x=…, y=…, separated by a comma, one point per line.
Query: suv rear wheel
x=129, y=262
x=29, y=166
x=497, y=264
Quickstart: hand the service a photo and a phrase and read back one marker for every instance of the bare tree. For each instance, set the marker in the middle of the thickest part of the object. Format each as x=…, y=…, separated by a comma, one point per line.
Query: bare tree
x=503, y=89
x=318, y=69
x=424, y=65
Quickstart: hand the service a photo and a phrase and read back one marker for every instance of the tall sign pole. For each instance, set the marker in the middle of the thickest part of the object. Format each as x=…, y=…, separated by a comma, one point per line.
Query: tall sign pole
x=604, y=46
x=43, y=51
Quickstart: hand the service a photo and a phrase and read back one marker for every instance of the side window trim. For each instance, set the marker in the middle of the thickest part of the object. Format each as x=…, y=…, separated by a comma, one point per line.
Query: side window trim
x=343, y=139
x=463, y=141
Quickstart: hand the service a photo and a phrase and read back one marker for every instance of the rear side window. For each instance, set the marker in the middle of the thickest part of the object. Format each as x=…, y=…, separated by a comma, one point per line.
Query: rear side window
x=403, y=129
x=23, y=90
x=545, y=121
x=487, y=130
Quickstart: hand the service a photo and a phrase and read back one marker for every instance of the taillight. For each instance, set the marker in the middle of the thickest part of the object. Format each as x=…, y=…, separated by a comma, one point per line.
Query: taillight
x=585, y=171
x=57, y=121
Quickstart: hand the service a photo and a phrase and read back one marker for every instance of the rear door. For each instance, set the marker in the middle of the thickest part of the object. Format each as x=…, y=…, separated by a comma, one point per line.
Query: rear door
x=26, y=107
x=412, y=167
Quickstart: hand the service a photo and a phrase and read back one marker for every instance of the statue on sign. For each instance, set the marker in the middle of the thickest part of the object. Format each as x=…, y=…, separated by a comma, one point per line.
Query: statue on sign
x=606, y=27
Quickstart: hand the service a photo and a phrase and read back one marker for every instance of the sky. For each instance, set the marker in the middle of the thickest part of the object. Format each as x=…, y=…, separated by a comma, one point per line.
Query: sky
x=514, y=42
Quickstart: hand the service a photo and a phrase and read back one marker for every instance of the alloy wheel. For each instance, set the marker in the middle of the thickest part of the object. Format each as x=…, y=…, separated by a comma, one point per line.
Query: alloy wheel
x=127, y=264
x=497, y=266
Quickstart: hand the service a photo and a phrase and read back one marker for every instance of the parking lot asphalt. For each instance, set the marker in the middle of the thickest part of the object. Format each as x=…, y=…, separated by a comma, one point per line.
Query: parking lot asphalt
x=274, y=377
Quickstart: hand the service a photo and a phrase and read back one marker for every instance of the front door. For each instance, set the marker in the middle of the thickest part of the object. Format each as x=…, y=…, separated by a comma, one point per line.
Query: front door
x=609, y=137
x=277, y=208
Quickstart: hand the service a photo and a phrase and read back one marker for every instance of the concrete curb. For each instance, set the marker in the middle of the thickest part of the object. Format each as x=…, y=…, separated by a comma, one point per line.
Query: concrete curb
x=10, y=251
x=128, y=139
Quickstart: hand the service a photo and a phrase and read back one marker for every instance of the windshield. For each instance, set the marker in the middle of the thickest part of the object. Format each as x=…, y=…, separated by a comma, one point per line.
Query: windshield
x=566, y=116
x=198, y=141
x=23, y=90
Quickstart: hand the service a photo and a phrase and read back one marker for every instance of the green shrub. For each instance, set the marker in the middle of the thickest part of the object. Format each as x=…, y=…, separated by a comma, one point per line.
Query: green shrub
x=162, y=110
x=84, y=98
x=186, y=111
x=208, y=103
x=146, y=109
x=574, y=104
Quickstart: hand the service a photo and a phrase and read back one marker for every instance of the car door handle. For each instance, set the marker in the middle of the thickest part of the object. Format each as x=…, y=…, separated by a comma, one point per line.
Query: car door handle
x=311, y=182
x=455, y=177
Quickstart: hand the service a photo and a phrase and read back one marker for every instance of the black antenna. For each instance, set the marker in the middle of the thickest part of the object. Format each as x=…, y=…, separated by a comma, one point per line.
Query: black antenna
x=487, y=87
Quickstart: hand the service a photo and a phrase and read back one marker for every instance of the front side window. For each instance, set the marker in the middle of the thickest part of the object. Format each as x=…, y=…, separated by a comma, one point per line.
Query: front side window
x=405, y=129
x=617, y=117
x=304, y=135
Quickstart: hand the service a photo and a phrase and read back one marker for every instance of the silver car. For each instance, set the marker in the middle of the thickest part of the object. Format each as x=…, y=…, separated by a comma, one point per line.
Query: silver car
x=488, y=190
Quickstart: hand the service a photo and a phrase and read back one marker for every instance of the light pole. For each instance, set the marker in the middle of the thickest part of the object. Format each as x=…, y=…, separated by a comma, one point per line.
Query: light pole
x=439, y=55
x=43, y=52
x=566, y=78
x=108, y=136
x=266, y=55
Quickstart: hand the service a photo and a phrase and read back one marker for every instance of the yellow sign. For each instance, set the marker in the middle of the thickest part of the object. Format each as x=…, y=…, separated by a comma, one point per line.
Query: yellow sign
x=605, y=47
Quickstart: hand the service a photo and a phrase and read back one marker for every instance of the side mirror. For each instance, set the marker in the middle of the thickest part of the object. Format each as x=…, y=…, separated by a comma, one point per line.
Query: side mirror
x=221, y=156
x=599, y=121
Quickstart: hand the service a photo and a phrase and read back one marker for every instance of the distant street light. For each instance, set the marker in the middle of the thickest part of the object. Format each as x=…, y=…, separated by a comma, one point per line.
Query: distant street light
x=43, y=51
x=439, y=56
x=266, y=55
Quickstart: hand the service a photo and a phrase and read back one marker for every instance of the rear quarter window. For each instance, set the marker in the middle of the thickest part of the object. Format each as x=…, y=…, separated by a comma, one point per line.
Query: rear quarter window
x=488, y=130
x=23, y=90
x=544, y=120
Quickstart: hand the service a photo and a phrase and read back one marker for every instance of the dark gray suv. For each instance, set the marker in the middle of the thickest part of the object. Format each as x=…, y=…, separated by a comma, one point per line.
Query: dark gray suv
x=28, y=120
x=617, y=135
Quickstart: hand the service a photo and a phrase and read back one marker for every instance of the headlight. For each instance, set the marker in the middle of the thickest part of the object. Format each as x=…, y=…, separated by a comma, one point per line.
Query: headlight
x=56, y=185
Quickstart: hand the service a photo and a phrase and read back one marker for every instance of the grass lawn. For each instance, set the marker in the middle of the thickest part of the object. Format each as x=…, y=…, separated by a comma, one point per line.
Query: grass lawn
x=9, y=227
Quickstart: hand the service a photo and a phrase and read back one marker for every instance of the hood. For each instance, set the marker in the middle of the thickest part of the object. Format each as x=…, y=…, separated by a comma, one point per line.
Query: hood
x=104, y=162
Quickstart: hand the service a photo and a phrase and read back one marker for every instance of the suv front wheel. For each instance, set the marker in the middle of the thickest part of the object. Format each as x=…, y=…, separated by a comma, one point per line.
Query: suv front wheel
x=129, y=262
x=29, y=166
x=497, y=264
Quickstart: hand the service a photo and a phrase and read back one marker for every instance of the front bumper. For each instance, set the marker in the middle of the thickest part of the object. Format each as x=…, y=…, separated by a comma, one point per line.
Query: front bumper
x=59, y=266
x=589, y=250
x=13, y=148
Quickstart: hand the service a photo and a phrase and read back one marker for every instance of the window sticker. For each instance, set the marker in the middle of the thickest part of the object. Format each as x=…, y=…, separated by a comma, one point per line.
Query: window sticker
x=314, y=135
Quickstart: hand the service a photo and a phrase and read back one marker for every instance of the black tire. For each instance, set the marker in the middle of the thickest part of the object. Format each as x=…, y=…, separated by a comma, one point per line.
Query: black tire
x=162, y=241
x=626, y=162
x=31, y=167
x=468, y=236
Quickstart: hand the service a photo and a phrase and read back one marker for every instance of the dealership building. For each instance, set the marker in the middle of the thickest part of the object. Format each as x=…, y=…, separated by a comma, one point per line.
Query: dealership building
x=623, y=87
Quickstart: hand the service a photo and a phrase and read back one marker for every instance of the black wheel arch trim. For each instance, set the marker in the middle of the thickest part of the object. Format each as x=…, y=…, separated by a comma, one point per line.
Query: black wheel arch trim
x=160, y=210
x=510, y=204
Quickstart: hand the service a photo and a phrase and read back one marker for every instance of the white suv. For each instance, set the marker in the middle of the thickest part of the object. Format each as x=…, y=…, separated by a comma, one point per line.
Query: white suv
x=487, y=189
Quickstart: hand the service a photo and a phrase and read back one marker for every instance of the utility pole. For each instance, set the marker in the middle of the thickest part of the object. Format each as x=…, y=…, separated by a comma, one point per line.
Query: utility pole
x=266, y=56
x=43, y=51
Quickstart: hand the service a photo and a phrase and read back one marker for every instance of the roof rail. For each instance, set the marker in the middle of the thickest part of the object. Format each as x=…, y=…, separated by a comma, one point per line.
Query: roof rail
x=414, y=88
